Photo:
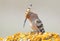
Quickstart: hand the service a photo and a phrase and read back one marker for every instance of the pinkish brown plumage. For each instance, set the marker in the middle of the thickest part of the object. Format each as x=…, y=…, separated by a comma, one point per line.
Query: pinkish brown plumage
x=35, y=22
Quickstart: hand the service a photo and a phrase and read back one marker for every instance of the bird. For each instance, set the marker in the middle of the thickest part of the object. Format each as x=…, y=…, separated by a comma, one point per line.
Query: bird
x=35, y=23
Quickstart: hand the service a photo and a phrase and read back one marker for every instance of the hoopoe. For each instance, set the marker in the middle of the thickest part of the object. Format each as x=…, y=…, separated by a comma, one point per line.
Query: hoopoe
x=35, y=22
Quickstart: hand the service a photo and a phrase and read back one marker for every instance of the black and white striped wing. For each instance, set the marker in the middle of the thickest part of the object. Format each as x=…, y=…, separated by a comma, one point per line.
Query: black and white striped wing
x=39, y=25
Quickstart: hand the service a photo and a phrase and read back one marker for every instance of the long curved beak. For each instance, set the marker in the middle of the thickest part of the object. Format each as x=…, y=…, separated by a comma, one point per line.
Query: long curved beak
x=24, y=22
x=27, y=12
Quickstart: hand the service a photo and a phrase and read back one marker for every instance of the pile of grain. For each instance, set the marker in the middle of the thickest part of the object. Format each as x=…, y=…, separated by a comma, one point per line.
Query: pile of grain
x=31, y=36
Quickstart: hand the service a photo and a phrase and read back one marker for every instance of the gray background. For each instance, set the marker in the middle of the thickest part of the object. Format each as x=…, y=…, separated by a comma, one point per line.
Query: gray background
x=12, y=15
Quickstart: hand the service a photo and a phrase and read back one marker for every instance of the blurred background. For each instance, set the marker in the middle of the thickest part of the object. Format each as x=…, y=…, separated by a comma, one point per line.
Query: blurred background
x=12, y=15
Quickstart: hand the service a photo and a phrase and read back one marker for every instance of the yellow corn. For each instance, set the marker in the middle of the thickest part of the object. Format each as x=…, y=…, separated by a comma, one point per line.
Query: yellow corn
x=31, y=36
x=1, y=39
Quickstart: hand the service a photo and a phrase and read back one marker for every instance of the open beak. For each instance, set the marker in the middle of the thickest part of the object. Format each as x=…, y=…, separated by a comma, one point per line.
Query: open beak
x=24, y=22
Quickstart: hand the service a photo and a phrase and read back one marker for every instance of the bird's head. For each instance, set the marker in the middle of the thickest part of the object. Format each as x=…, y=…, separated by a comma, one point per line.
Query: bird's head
x=27, y=13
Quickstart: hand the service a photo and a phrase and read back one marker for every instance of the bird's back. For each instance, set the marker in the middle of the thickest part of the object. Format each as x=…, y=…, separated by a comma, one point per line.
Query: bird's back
x=35, y=22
